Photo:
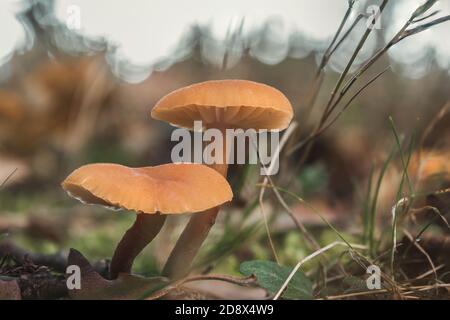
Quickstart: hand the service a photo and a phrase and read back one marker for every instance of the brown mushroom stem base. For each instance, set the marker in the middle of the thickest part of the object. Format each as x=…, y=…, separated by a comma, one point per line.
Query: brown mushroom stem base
x=190, y=241
x=143, y=231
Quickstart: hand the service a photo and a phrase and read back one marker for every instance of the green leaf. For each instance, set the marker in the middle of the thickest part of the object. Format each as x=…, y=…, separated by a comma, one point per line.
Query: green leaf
x=271, y=277
x=423, y=8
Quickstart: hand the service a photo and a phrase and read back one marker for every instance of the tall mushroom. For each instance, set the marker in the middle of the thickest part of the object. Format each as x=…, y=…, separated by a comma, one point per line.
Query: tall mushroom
x=152, y=192
x=220, y=104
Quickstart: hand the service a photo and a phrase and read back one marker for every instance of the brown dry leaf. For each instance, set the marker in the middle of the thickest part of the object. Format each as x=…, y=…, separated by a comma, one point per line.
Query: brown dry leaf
x=430, y=164
x=10, y=290
x=125, y=287
x=213, y=289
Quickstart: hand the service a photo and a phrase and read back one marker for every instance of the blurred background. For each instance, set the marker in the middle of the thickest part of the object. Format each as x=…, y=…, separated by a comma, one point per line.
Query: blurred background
x=78, y=80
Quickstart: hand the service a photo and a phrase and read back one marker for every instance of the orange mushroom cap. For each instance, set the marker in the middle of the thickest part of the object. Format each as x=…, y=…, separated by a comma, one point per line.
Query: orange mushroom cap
x=236, y=103
x=167, y=189
x=430, y=164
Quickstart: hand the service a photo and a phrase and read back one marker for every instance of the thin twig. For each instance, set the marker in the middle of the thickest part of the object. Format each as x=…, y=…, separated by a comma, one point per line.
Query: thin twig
x=426, y=17
x=356, y=294
x=299, y=224
x=422, y=231
x=8, y=177
x=329, y=52
x=402, y=34
x=425, y=274
x=347, y=33
x=316, y=84
x=347, y=105
x=419, y=247
x=274, y=160
x=296, y=197
x=422, y=27
x=371, y=292
x=306, y=259
x=330, y=106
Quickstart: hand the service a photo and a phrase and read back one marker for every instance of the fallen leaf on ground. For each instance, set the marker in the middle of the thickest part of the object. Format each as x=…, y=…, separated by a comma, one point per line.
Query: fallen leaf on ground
x=125, y=287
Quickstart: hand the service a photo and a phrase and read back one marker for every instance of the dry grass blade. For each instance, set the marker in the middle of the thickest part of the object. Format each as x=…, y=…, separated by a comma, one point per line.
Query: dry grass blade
x=435, y=211
x=332, y=102
x=308, y=258
x=419, y=247
x=318, y=78
x=347, y=33
x=423, y=27
x=315, y=245
x=352, y=98
x=405, y=293
x=330, y=105
x=427, y=273
x=7, y=178
x=356, y=294
x=274, y=160
x=332, y=48
x=402, y=34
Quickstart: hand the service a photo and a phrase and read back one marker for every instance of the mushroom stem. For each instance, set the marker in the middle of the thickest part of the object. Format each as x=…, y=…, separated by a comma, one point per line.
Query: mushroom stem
x=188, y=244
x=141, y=233
x=196, y=231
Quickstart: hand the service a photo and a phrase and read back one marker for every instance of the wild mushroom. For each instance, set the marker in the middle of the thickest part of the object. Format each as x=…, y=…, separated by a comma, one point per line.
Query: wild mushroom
x=221, y=105
x=152, y=192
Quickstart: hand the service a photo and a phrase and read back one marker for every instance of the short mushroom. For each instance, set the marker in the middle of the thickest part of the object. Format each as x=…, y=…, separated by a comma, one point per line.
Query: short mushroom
x=152, y=192
x=220, y=104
